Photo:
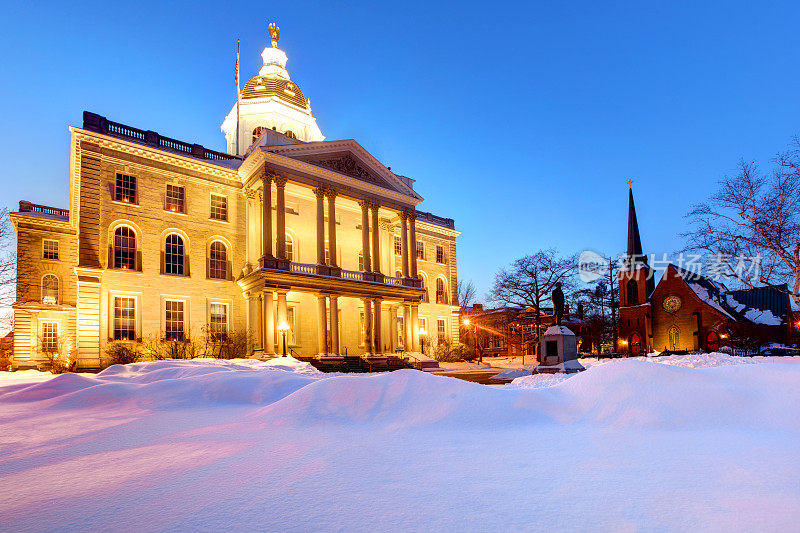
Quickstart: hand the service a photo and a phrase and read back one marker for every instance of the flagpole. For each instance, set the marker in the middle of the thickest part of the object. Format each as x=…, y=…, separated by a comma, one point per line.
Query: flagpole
x=237, y=96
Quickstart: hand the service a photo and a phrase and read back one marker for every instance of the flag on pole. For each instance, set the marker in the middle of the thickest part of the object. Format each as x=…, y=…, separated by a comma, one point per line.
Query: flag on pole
x=237, y=67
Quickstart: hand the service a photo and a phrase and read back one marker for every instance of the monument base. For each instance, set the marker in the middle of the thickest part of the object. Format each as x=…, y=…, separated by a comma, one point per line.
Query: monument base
x=558, y=352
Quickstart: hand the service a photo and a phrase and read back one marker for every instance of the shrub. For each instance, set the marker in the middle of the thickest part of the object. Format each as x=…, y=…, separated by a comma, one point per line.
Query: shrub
x=122, y=353
x=157, y=348
x=64, y=358
x=447, y=352
x=232, y=345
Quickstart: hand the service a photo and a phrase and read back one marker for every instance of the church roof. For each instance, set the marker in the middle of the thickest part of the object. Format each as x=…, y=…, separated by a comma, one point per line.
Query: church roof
x=634, y=241
x=266, y=86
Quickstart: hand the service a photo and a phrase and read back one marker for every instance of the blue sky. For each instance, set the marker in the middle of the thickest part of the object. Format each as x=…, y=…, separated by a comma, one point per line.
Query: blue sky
x=522, y=121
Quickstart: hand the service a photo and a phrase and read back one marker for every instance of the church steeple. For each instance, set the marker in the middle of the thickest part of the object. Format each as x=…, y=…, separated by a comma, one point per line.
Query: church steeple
x=634, y=241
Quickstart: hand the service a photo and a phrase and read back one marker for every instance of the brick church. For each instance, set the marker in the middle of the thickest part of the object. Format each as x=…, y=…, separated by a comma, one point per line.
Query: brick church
x=688, y=312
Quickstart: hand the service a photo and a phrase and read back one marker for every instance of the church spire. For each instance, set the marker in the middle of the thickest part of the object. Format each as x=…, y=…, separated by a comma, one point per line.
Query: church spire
x=634, y=241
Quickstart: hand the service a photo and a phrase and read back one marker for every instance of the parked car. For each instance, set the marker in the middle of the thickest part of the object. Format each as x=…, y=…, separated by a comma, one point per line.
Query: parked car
x=775, y=351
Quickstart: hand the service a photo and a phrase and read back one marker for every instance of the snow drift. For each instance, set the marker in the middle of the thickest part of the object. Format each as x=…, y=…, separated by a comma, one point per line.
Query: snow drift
x=248, y=445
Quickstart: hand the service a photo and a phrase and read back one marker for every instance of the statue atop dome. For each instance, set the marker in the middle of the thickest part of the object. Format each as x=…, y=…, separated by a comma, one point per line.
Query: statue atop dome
x=274, y=34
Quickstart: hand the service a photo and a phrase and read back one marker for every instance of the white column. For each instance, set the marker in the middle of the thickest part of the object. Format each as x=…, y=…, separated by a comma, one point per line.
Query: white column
x=365, y=235
x=334, y=348
x=368, y=326
x=376, y=240
x=322, y=325
x=404, y=238
x=280, y=183
x=269, y=323
x=412, y=230
x=266, y=216
x=320, y=194
x=378, y=328
x=332, y=227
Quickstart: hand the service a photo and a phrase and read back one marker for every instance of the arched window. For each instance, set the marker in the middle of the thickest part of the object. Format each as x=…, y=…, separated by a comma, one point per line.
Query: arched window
x=441, y=296
x=174, y=255
x=674, y=338
x=289, y=247
x=50, y=289
x=290, y=133
x=125, y=248
x=424, y=287
x=632, y=292
x=398, y=274
x=218, y=261
x=257, y=132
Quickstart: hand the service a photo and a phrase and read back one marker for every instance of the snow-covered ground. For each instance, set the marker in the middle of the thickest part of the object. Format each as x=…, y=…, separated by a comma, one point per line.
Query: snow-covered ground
x=696, y=444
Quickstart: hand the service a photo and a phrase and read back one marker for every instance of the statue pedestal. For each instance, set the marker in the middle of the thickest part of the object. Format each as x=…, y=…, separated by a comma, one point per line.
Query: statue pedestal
x=558, y=352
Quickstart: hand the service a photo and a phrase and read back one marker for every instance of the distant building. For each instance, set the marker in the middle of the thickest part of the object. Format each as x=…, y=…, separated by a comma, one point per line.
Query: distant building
x=511, y=331
x=689, y=312
x=287, y=235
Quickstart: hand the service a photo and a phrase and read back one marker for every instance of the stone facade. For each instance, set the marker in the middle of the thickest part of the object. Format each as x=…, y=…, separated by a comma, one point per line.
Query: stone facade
x=301, y=247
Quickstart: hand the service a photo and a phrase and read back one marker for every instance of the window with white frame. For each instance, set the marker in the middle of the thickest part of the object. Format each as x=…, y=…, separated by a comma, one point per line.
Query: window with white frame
x=420, y=250
x=398, y=245
x=441, y=329
x=424, y=284
x=289, y=248
x=291, y=316
x=174, y=255
x=174, y=329
x=218, y=261
x=125, y=248
x=361, y=260
x=50, y=287
x=124, y=318
x=423, y=326
x=50, y=337
x=218, y=320
x=362, y=328
x=401, y=332
x=125, y=189
x=176, y=198
x=441, y=295
x=50, y=249
x=327, y=251
x=439, y=254
x=219, y=207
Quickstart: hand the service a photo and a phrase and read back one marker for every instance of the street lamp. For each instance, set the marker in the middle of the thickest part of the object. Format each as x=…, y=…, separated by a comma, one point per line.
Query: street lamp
x=422, y=334
x=283, y=327
x=467, y=323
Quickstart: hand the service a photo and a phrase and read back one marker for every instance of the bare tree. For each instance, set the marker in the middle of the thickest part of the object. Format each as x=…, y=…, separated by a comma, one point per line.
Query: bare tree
x=754, y=215
x=465, y=293
x=530, y=281
x=8, y=270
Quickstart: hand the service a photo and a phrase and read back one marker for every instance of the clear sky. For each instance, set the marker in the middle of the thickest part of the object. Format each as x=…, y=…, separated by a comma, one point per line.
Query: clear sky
x=522, y=121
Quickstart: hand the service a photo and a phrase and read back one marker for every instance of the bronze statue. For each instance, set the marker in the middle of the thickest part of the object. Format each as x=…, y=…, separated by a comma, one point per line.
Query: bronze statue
x=274, y=34
x=558, y=303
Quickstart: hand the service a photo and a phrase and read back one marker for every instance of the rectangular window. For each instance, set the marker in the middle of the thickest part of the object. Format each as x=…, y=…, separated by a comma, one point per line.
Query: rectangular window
x=362, y=328
x=124, y=318
x=290, y=317
x=176, y=198
x=125, y=189
x=50, y=337
x=420, y=250
x=441, y=328
x=50, y=249
x=173, y=320
x=218, y=320
x=219, y=207
x=439, y=254
x=423, y=325
x=398, y=245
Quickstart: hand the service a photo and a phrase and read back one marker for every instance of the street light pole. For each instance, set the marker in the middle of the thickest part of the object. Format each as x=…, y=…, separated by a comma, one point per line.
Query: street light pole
x=284, y=327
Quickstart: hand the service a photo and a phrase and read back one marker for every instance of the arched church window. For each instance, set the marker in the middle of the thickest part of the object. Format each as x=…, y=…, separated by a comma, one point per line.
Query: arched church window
x=257, y=132
x=712, y=341
x=632, y=292
x=674, y=338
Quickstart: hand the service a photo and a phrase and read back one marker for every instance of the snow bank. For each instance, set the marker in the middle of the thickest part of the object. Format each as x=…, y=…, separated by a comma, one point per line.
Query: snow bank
x=208, y=445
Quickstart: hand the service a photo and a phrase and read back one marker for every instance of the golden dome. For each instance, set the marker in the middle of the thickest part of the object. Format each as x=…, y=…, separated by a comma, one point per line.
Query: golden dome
x=263, y=86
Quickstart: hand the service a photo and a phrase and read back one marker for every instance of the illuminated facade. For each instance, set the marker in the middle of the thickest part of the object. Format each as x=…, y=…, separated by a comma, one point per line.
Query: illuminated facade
x=287, y=231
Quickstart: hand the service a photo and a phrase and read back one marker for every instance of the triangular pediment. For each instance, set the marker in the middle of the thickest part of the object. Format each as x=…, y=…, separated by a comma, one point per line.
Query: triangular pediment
x=348, y=158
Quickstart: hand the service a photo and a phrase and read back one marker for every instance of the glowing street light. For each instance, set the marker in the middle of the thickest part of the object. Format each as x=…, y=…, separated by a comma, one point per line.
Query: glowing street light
x=283, y=327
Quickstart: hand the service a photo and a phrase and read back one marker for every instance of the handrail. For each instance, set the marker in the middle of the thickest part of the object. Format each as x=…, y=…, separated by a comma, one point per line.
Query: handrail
x=29, y=207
